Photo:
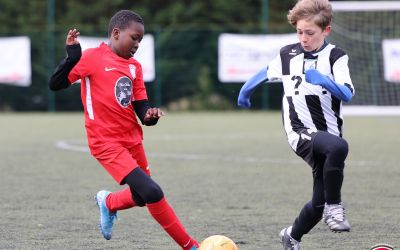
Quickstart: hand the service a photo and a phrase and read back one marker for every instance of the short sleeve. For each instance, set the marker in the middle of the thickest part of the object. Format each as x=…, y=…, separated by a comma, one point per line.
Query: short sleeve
x=341, y=72
x=84, y=67
x=275, y=69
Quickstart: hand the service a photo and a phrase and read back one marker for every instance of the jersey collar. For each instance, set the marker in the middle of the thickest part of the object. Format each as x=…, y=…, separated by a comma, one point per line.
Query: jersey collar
x=311, y=54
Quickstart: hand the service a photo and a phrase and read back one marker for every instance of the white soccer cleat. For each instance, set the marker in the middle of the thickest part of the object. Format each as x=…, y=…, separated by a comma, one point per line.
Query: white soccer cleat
x=287, y=241
x=335, y=217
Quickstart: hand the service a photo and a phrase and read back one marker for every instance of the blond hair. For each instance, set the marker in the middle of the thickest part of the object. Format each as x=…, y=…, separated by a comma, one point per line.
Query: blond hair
x=318, y=10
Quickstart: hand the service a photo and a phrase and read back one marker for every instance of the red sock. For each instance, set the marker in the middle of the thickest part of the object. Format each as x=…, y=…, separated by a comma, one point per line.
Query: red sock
x=166, y=217
x=120, y=200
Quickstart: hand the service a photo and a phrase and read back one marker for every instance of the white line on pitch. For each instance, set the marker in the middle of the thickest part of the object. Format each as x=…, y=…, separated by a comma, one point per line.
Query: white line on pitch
x=198, y=157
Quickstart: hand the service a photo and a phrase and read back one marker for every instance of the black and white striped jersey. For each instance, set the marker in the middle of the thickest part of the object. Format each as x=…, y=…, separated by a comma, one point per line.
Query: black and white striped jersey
x=304, y=105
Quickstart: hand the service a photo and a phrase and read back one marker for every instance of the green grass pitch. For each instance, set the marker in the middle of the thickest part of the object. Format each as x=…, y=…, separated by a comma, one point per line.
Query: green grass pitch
x=230, y=173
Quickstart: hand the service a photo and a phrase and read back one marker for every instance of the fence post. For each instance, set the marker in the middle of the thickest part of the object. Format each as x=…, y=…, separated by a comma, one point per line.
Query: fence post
x=158, y=81
x=264, y=29
x=50, y=51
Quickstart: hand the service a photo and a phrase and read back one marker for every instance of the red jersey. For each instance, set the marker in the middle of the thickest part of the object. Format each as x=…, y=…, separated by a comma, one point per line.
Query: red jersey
x=109, y=85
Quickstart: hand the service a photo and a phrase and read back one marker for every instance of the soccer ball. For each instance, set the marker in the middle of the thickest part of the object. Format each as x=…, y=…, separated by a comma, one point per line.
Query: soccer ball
x=218, y=242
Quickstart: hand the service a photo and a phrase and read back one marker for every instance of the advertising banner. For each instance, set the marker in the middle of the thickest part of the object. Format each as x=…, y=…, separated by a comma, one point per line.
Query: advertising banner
x=145, y=54
x=241, y=56
x=391, y=60
x=15, y=61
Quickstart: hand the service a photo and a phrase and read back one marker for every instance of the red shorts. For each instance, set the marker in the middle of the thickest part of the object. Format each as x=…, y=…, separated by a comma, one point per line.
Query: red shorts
x=119, y=161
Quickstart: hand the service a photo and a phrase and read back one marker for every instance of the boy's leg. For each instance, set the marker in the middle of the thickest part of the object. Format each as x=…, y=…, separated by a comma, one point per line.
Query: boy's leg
x=120, y=200
x=128, y=198
x=312, y=211
x=109, y=203
x=162, y=212
x=118, y=162
x=334, y=150
x=122, y=164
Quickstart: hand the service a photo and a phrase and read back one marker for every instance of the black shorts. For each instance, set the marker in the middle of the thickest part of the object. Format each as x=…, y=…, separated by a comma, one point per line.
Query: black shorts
x=314, y=155
x=305, y=148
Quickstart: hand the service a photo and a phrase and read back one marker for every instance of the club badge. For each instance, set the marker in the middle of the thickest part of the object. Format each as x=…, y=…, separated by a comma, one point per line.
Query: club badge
x=123, y=91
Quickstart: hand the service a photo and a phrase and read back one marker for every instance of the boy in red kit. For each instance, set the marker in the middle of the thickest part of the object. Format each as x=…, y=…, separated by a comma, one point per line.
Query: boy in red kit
x=113, y=91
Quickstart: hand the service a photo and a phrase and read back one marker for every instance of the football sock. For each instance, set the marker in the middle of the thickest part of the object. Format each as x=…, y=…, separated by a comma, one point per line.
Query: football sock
x=309, y=217
x=120, y=200
x=163, y=213
x=333, y=179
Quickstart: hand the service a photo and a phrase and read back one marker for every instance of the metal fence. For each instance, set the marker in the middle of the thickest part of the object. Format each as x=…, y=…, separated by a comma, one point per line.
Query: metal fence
x=186, y=75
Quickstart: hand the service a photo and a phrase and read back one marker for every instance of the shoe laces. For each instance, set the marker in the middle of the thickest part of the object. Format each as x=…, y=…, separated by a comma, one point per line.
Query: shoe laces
x=337, y=211
x=113, y=216
x=294, y=243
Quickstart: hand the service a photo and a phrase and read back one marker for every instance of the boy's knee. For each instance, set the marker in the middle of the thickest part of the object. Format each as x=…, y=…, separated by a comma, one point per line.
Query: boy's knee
x=338, y=149
x=143, y=188
x=153, y=193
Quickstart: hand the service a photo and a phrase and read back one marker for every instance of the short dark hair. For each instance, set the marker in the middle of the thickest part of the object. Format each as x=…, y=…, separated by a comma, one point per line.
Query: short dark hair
x=122, y=19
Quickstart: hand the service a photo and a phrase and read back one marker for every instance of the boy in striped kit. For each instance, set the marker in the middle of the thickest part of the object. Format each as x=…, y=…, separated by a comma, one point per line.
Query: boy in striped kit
x=316, y=80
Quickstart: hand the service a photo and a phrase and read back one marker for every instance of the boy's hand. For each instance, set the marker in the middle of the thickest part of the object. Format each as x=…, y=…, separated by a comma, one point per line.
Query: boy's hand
x=243, y=102
x=72, y=37
x=314, y=77
x=153, y=113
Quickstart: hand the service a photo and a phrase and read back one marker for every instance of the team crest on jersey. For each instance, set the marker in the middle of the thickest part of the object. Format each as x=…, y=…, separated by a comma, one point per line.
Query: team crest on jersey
x=132, y=69
x=123, y=91
x=310, y=64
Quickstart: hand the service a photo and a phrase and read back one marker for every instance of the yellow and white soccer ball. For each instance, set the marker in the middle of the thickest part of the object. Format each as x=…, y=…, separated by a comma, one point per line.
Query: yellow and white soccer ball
x=218, y=242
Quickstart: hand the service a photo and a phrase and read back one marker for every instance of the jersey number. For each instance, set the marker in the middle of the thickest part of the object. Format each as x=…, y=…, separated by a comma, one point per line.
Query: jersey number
x=298, y=80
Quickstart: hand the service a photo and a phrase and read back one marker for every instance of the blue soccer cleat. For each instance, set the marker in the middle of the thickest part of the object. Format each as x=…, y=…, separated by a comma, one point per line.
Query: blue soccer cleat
x=194, y=248
x=106, y=217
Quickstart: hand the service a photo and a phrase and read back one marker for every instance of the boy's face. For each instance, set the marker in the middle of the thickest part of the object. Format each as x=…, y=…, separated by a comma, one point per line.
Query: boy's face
x=126, y=42
x=310, y=35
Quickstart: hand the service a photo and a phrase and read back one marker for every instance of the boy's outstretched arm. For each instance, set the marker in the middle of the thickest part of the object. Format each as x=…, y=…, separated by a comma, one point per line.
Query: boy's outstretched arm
x=343, y=92
x=248, y=88
x=59, y=79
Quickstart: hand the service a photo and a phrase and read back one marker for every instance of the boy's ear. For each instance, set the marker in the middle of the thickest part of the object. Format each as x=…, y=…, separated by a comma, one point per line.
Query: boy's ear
x=115, y=33
x=327, y=30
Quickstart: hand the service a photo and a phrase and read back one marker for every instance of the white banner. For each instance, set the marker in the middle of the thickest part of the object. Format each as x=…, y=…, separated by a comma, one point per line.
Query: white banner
x=145, y=53
x=391, y=59
x=15, y=61
x=241, y=56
